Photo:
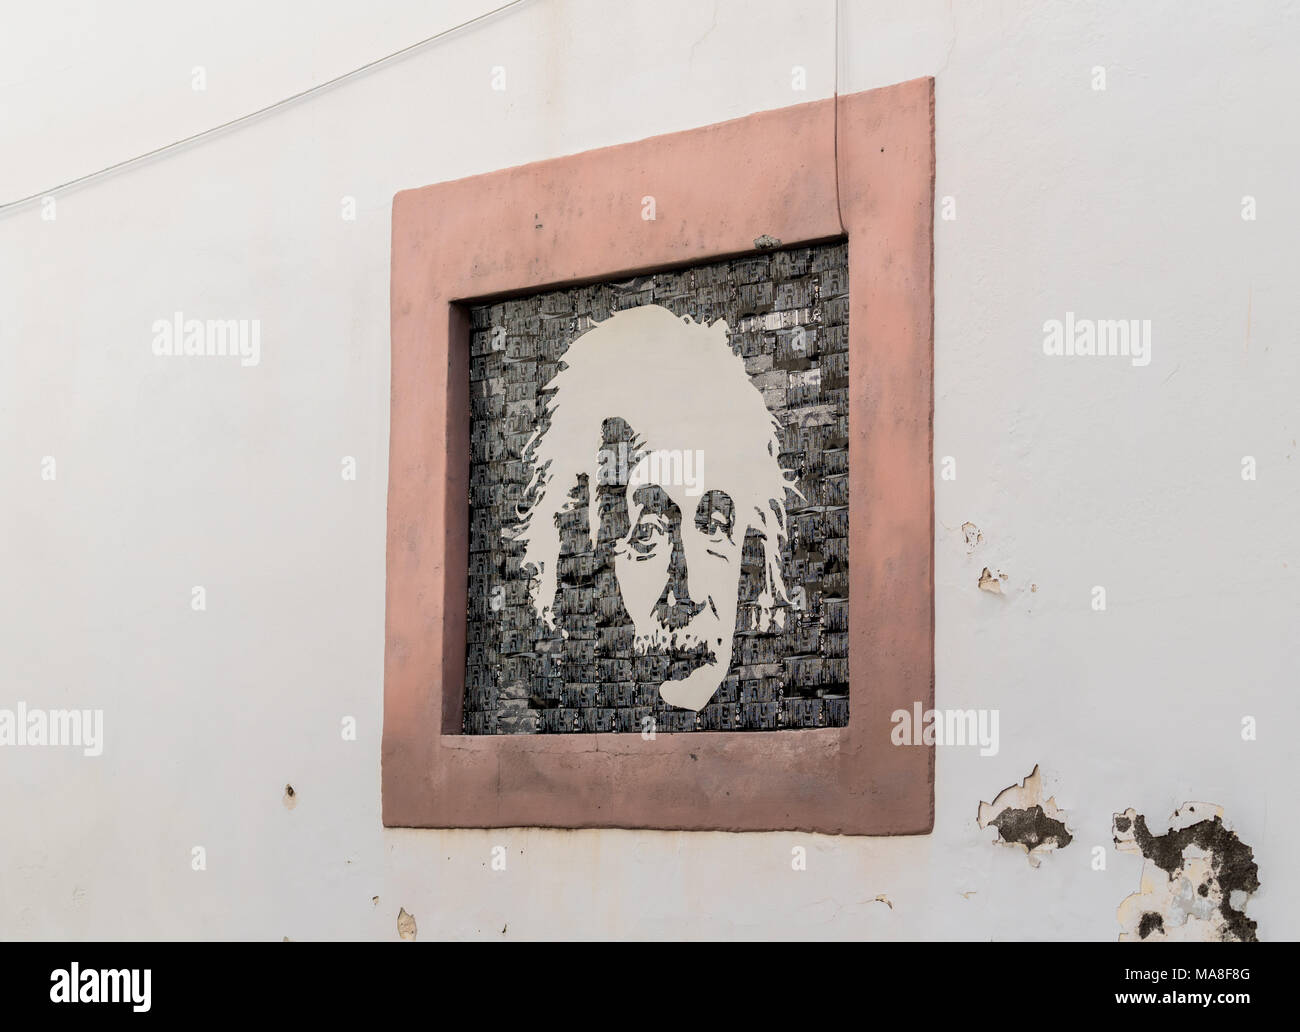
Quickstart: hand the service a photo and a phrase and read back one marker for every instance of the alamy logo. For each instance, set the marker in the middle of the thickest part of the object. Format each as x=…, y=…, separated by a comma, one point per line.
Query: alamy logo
x=1130, y=338
x=684, y=469
x=946, y=727
x=102, y=985
x=83, y=728
x=240, y=338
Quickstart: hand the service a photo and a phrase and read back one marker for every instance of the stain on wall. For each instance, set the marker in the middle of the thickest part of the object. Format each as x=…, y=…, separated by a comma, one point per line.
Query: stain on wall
x=1025, y=820
x=1196, y=878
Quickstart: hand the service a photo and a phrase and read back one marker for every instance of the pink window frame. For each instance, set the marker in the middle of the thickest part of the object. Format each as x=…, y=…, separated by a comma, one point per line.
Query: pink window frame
x=579, y=219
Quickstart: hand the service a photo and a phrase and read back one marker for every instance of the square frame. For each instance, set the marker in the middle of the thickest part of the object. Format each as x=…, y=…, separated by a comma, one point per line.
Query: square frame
x=578, y=219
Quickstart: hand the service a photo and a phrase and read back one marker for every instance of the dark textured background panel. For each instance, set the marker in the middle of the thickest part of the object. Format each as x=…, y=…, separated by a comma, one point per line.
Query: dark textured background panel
x=787, y=312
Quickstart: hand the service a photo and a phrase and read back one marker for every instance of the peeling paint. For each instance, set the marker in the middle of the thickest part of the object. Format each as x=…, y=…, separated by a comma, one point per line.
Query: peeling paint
x=882, y=898
x=1023, y=819
x=290, y=797
x=972, y=535
x=1196, y=878
x=405, y=925
x=988, y=582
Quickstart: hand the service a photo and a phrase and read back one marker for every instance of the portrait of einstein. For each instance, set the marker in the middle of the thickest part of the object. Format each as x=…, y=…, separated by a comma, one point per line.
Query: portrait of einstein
x=658, y=419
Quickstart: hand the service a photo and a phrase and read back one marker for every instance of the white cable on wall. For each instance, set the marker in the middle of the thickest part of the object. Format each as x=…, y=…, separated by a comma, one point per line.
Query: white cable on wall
x=175, y=144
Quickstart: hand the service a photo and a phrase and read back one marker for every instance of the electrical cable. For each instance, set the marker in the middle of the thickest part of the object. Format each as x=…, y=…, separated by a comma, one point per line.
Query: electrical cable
x=166, y=148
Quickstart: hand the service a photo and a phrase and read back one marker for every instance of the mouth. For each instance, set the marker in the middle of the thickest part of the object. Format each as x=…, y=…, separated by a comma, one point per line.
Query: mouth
x=686, y=653
x=693, y=657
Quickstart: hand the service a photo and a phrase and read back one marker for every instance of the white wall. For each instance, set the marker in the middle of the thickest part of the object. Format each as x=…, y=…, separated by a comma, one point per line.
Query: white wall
x=1123, y=203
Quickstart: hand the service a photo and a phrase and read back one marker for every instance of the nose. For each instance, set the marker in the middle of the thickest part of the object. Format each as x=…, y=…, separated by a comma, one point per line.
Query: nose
x=675, y=608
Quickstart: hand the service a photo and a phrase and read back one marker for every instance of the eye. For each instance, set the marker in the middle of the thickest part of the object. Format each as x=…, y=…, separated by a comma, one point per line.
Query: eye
x=646, y=535
x=715, y=516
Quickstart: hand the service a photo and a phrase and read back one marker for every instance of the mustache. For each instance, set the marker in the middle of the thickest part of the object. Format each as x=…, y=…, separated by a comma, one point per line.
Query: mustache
x=676, y=646
x=682, y=613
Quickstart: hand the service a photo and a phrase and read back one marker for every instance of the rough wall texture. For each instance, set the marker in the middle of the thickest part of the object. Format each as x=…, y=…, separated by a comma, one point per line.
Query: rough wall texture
x=1122, y=203
x=787, y=314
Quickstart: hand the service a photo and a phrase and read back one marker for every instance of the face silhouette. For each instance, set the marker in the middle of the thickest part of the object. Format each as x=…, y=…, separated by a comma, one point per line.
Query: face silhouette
x=678, y=570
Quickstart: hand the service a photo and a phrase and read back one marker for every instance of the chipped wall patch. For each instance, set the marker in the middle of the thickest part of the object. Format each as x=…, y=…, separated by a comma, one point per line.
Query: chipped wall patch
x=1023, y=819
x=405, y=925
x=1196, y=878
